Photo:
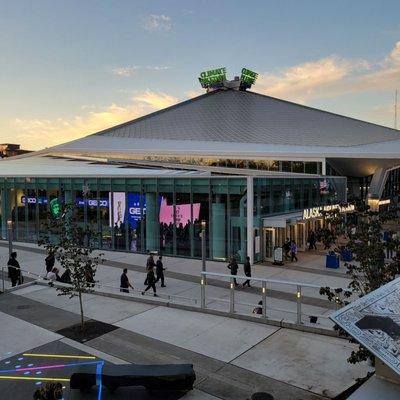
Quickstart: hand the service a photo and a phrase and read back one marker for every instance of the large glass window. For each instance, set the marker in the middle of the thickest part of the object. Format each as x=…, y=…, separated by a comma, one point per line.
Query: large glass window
x=201, y=196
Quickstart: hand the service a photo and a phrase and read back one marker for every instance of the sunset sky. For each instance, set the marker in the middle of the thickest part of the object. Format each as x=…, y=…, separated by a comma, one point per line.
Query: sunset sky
x=71, y=68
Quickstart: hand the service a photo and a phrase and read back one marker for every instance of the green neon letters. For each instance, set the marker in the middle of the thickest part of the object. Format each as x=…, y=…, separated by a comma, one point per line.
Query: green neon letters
x=248, y=77
x=212, y=77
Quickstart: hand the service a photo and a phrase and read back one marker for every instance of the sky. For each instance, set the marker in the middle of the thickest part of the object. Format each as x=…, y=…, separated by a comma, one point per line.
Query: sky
x=72, y=68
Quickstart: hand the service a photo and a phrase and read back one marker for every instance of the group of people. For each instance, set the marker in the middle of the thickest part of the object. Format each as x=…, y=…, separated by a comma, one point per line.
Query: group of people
x=234, y=267
x=151, y=277
x=52, y=272
x=290, y=250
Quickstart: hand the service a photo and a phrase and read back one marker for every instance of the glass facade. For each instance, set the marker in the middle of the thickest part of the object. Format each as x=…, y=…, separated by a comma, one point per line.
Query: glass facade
x=392, y=185
x=161, y=214
x=307, y=167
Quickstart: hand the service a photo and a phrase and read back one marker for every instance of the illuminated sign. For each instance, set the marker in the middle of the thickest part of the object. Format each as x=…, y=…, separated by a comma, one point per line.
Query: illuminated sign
x=316, y=212
x=383, y=202
x=33, y=200
x=55, y=207
x=213, y=77
x=247, y=78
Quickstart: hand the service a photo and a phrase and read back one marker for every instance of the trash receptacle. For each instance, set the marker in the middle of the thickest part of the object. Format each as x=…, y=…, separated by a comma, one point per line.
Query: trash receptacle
x=346, y=254
x=332, y=261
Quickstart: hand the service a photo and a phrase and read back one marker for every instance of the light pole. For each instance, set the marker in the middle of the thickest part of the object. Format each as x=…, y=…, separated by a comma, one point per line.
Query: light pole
x=9, y=229
x=203, y=263
x=203, y=246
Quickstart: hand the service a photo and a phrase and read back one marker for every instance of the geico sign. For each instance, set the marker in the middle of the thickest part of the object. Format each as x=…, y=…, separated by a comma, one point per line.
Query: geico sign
x=316, y=212
x=93, y=203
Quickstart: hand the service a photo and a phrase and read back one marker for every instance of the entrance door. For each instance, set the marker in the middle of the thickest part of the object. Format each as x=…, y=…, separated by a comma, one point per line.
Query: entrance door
x=269, y=244
x=301, y=236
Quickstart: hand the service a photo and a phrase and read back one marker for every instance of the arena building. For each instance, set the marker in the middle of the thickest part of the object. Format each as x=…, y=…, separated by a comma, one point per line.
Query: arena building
x=250, y=168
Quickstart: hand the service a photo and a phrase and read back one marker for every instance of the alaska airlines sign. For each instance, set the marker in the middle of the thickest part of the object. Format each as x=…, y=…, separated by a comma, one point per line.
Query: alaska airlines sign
x=316, y=212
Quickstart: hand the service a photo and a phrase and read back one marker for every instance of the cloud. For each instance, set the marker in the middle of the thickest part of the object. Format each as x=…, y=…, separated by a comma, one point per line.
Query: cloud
x=124, y=71
x=38, y=133
x=155, y=100
x=158, y=23
x=332, y=77
x=194, y=93
x=129, y=71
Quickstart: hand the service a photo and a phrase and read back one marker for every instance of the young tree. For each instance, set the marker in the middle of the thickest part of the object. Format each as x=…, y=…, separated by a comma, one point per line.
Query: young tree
x=72, y=247
x=370, y=269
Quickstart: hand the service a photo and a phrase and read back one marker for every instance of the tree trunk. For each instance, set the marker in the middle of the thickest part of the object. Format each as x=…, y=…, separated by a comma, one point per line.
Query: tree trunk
x=81, y=307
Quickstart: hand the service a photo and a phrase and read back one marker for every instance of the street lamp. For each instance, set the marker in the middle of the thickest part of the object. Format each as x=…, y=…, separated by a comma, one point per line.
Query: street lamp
x=9, y=229
x=203, y=245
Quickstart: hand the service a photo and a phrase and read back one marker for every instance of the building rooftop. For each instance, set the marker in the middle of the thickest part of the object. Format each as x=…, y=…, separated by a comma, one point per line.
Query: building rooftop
x=248, y=117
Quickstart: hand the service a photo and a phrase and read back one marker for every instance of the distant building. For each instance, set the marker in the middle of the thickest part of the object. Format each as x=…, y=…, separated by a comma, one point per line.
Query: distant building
x=11, y=150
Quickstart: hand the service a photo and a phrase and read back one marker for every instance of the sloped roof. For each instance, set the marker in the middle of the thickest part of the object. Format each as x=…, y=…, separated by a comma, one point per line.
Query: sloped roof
x=247, y=117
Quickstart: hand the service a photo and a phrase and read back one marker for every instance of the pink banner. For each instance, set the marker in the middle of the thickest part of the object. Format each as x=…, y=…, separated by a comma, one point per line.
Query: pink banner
x=182, y=213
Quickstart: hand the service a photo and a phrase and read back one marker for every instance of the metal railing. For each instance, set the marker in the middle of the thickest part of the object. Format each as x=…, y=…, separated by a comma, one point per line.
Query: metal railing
x=297, y=294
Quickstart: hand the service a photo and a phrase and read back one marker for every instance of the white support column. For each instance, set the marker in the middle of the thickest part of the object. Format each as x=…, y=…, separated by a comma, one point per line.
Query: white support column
x=250, y=227
x=324, y=167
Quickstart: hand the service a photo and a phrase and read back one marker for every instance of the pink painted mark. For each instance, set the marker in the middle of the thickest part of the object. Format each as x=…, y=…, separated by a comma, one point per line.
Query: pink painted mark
x=42, y=367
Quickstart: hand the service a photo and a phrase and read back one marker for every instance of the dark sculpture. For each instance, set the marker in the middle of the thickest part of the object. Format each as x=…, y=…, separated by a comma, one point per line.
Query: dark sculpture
x=152, y=377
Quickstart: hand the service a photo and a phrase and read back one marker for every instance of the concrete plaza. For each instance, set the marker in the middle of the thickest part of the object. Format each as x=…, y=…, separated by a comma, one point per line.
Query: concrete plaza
x=233, y=357
x=183, y=278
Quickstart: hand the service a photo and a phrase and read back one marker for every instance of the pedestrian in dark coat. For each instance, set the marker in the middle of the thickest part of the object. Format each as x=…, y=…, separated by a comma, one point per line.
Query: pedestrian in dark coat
x=50, y=261
x=293, y=251
x=125, y=284
x=312, y=241
x=14, y=270
x=233, y=266
x=151, y=281
x=247, y=271
x=160, y=271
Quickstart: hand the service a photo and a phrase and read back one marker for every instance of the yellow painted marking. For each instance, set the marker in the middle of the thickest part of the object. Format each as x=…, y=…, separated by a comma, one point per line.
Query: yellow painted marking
x=31, y=378
x=58, y=356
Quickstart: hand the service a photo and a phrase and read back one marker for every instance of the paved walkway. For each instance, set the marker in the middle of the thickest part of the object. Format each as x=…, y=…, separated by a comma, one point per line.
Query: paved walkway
x=183, y=283
x=232, y=358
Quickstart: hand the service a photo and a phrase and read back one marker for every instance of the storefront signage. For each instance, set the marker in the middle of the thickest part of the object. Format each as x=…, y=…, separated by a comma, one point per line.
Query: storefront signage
x=33, y=200
x=248, y=77
x=316, y=212
x=383, y=202
x=212, y=77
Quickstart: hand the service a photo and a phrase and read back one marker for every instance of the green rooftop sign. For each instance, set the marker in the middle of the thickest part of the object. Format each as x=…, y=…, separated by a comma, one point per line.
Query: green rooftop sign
x=248, y=77
x=212, y=77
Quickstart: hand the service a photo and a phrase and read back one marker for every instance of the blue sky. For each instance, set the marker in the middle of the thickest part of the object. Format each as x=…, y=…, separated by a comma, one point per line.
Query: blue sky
x=71, y=68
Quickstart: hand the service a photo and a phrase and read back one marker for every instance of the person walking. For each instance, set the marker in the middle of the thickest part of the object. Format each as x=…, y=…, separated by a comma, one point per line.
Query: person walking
x=149, y=263
x=247, y=271
x=286, y=248
x=312, y=241
x=151, y=281
x=50, y=261
x=14, y=270
x=125, y=284
x=233, y=266
x=160, y=271
x=293, y=251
